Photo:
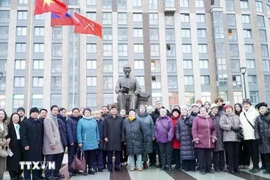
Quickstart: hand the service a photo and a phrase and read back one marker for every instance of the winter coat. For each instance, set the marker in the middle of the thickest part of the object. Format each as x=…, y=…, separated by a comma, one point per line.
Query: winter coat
x=52, y=136
x=134, y=135
x=88, y=133
x=221, y=110
x=100, y=123
x=164, y=130
x=193, y=114
x=227, y=121
x=203, y=131
x=149, y=126
x=72, y=123
x=184, y=135
x=63, y=129
x=219, y=146
x=175, y=143
x=113, y=131
x=262, y=132
x=32, y=135
x=248, y=130
x=155, y=114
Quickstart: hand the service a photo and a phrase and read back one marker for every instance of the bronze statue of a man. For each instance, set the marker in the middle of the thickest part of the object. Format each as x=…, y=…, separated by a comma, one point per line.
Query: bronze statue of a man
x=127, y=88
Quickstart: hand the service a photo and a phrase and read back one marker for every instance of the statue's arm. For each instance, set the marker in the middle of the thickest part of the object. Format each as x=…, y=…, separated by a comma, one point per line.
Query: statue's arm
x=138, y=87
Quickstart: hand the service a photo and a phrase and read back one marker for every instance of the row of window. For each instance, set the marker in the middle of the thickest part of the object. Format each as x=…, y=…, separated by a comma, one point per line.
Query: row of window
x=244, y=5
x=234, y=51
x=231, y=19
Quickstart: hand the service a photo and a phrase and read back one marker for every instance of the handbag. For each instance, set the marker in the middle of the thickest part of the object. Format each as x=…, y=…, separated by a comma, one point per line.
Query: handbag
x=79, y=163
x=248, y=120
x=4, y=151
x=240, y=135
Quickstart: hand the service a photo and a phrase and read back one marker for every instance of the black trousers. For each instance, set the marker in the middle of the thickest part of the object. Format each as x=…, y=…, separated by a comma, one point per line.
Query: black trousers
x=72, y=150
x=189, y=165
x=117, y=155
x=205, y=160
x=41, y=170
x=153, y=155
x=124, y=156
x=244, y=156
x=263, y=160
x=15, y=174
x=176, y=157
x=57, y=158
x=166, y=153
x=219, y=161
x=232, y=149
x=254, y=152
x=267, y=161
x=90, y=156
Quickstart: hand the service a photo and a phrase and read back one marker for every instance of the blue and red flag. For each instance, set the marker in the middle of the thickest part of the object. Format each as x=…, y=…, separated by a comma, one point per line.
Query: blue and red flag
x=59, y=20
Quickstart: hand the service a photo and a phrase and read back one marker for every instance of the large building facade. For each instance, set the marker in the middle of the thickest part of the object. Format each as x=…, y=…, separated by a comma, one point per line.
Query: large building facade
x=179, y=50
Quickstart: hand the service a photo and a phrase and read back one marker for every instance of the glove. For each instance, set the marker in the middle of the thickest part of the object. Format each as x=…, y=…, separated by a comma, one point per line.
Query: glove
x=236, y=129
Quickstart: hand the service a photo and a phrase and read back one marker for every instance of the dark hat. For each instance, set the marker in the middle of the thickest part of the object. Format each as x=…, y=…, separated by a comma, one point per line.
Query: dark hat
x=21, y=109
x=114, y=106
x=177, y=110
x=227, y=106
x=86, y=109
x=132, y=110
x=34, y=109
x=219, y=99
x=260, y=105
x=247, y=101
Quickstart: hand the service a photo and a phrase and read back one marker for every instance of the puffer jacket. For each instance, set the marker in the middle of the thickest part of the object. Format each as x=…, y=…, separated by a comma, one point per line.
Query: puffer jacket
x=227, y=121
x=248, y=130
x=262, y=132
x=219, y=146
x=164, y=130
x=71, y=124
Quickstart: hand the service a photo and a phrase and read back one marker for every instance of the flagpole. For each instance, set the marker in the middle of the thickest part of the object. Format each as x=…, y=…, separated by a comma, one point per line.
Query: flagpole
x=73, y=69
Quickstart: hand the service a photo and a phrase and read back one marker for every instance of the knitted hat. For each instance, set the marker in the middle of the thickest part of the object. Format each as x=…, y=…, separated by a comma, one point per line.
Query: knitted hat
x=184, y=107
x=132, y=110
x=227, y=106
x=261, y=104
x=86, y=109
x=177, y=110
x=34, y=109
x=214, y=105
x=247, y=101
x=21, y=109
x=195, y=105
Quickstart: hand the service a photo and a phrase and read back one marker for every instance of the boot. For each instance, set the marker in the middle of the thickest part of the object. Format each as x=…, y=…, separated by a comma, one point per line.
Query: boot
x=145, y=165
x=91, y=171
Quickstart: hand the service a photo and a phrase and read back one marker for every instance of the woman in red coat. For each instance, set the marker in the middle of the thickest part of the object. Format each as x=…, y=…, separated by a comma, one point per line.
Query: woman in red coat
x=176, y=144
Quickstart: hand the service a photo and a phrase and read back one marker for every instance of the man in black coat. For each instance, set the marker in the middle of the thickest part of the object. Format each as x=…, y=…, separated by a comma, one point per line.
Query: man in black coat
x=32, y=141
x=112, y=136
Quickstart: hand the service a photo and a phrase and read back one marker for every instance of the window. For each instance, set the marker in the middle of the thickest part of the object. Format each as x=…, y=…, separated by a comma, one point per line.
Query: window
x=186, y=48
x=152, y=4
x=107, y=49
x=37, y=100
x=91, y=15
x=169, y=20
x=122, y=34
x=245, y=18
x=3, y=49
x=107, y=99
x=19, y=64
x=231, y=20
x=154, y=35
x=184, y=18
x=18, y=81
x=91, y=81
x=260, y=20
x=266, y=65
x=156, y=82
x=254, y=97
x=39, y=31
x=91, y=2
x=238, y=96
x=171, y=66
x=56, y=49
x=247, y=33
x=107, y=18
x=4, y=32
x=107, y=66
x=91, y=64
x=139, y=64
x=138, y=33
x=184, y=3
x=138, y=48
x=188, y=64
x=234, y=50
x=250, y=63
x=205, y=80
x=20, y=47
x=236, y=80
x=200, y=18
x=4, y=16
x=107, y=83
x=140, y=80
x=244, y=4
x=219, y=32
x=252, y=80
x=249, y=48
x=202, y=48
x=107, y=34
x=22, y=15
x=170, y=49
x=185, y=33
x=57, y=33
x=137, y=3
x=21, y=31
x=155, y=65
x=169, y=3
x=107, y=4
x=154, y=50
x=4, y=3
x=259, y=6
x=91, y=48
x=153, y=19
x=190, y=98
x=230, y=5
x=204, y=64
x=232, y=33
x=122, y=50
x=137, y=17
x=172, y=82
x=40, y=17
x=267, y=81
x=235, y=65
x=56, y=99
x=263, y=37
x=264, y=50
x=37, y=81
x=188, y=80
x=38, y=63
x=38, y=48
x=201, y=33
x=91, y=100
x=56, y=83
x=221, y=63
x=18, y=101
x=122, y=18
x=199, y=3
x=122, y=4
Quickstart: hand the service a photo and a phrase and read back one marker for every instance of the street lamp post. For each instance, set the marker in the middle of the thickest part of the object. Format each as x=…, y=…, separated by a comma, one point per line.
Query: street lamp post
x=243, y=70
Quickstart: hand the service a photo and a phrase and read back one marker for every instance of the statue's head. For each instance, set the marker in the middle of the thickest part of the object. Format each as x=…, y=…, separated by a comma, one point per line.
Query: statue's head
x=127, y=70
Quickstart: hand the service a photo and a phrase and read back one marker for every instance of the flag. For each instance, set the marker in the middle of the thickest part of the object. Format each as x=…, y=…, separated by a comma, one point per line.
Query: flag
x=54, y=6
x=87, y=26
x=59, y=20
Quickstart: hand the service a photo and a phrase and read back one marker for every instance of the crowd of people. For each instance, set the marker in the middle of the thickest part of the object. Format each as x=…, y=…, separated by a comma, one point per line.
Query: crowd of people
x=213, y=137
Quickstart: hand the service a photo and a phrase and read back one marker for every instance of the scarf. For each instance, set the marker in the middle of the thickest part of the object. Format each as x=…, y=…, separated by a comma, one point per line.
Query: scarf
x=131, y=118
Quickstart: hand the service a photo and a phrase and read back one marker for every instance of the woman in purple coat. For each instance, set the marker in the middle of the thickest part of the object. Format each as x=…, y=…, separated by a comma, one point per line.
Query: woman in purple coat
x=204, y=136
x=164, y=133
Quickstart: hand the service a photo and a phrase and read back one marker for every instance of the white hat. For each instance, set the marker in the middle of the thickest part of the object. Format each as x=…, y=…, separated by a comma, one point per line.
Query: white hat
x=195, y=105
x=213, y=106
x=184, y=107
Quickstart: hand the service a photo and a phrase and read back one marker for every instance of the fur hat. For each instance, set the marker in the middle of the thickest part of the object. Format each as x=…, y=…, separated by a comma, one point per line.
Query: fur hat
x=177, y=110
x=261, y=104
x=34, y=109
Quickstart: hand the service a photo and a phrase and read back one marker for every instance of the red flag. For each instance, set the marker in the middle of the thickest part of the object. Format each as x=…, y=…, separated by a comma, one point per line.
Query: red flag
x=87, y=26
x=67, y=20
x=54, y=6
